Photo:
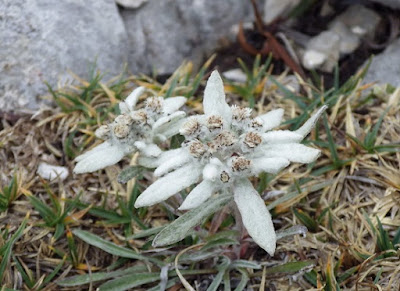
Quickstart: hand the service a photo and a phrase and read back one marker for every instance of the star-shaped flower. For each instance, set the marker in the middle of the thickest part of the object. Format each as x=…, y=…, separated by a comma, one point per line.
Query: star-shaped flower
x=223, y=148
x=134, y=130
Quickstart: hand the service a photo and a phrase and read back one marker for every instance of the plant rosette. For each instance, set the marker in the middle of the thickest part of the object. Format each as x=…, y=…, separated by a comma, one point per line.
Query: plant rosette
x=222, y=149
x=134, y=131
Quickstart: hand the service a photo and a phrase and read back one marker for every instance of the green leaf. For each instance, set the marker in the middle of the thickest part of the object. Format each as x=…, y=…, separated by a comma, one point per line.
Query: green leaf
x=45, y=211
x=296, y=229
x=129, y=173
x=245, y=264
x=87, y=278
x=146, y=233
x=178, y=229
x=370, y=139
x=331, y=142
x=110, y=247
x=222, y=242
x=307, y=220
x=6, y=250
x=383, y=241
x=243, y=282
x=292, y=267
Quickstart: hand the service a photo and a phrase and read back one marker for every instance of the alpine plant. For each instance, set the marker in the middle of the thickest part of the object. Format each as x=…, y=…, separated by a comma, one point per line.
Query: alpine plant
x=134, y=131
x=224, y=148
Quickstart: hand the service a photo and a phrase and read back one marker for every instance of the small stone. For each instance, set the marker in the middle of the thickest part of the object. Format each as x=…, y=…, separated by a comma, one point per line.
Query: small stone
x=348, y=40
x=276, y=8
x=385, y=67
x=322, y=51
x=360, y=20
x=235, y=75
x=51, y=172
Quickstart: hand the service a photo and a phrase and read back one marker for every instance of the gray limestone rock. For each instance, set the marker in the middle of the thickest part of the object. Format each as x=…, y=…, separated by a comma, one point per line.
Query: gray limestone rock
x=385, y=67
x=41, y=39
x=164, y=33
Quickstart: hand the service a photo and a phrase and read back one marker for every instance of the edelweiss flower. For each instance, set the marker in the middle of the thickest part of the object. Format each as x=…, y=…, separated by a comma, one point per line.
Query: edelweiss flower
x=134, y=130
x=222, y=148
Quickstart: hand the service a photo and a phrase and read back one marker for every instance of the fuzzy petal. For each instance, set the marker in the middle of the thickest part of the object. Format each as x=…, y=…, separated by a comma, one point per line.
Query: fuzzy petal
x=310, y=123
x=148, y=150
x=148, y=162
x=199, y=194
x=269, y=165
x=214, y=99
x=172, y=164
x=169, y=185
x=172, y=104
x=130, y=101
x=99, y=147
x=294, y=152
x=255, y=215
x=212, y=170
x=152, y=163
x=164, y=121
x=173, y=128
x=281, y=136
x=271, y=119
x=99, y=159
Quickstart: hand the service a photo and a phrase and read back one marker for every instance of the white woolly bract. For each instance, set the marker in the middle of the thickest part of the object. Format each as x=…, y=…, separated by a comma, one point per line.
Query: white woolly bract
x=255, y=215
x=100, y=157
x=169, y=185
x=214, y=99
x=199, y=194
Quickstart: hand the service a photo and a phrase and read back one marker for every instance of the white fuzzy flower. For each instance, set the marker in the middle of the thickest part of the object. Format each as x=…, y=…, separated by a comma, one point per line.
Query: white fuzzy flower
x=134, y=130
x=223, y=147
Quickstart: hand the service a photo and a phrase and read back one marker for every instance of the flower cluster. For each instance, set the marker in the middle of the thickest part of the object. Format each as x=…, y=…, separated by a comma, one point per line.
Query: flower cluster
x=222, y=149
x=134, y=130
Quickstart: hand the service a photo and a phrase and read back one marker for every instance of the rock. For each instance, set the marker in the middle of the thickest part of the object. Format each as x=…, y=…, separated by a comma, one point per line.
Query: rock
x=360, y=20
x=322, y=51
x=276, y=8
x=164, y=33
x=349, y=41
x=50, y=172
x=235, y=75
x=385, y=67
x=395, y=4
x=41, y=40
x=343, y=37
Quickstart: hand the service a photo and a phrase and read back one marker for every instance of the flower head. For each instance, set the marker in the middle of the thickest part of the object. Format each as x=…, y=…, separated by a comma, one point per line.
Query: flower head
x=222, y=149
x=134, y=130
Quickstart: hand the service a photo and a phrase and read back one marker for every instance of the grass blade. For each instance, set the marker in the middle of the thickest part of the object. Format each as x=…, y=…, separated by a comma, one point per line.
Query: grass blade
x=110, y=247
